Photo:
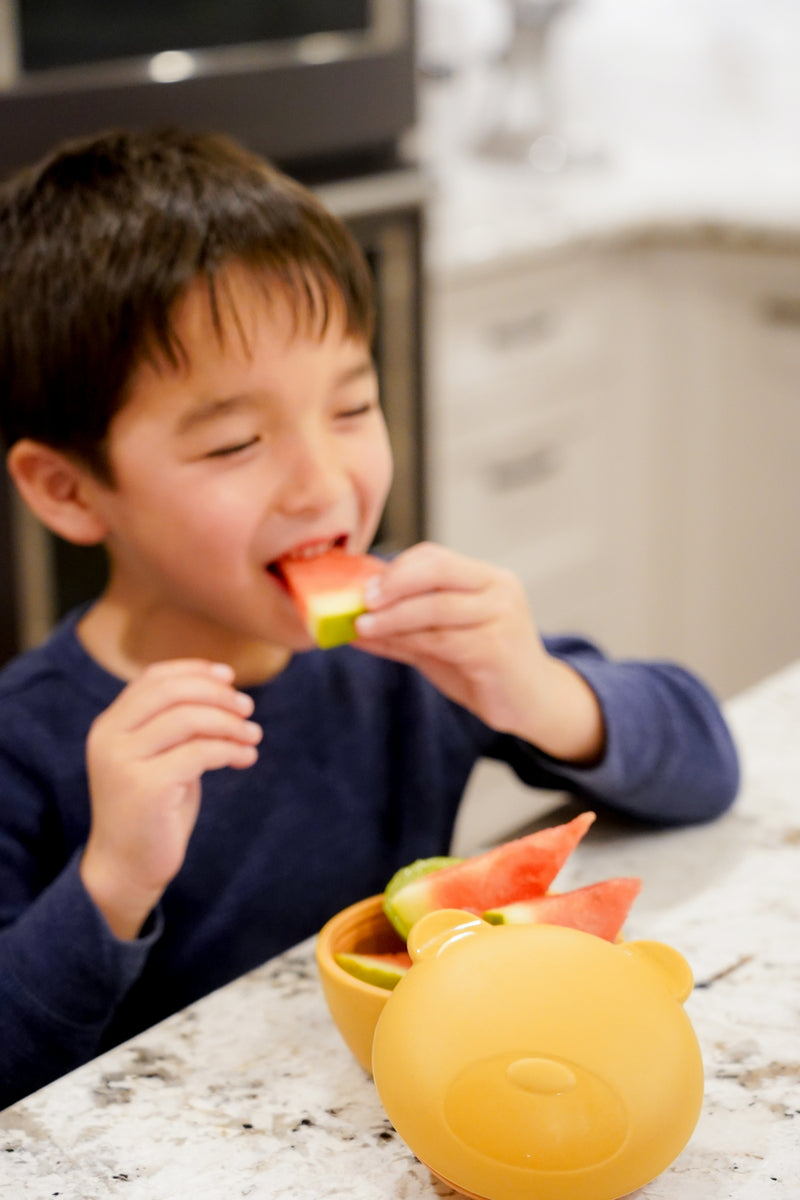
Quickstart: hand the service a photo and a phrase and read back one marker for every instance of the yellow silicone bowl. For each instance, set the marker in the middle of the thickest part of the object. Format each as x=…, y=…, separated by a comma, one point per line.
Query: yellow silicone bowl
x=522, y=1060
x=354, y=1005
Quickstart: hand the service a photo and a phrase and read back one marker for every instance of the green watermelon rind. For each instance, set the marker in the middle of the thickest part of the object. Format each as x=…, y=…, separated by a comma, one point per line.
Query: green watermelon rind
x=335, y=629
x=402, y=878
x=497, y=916
x=370, y=968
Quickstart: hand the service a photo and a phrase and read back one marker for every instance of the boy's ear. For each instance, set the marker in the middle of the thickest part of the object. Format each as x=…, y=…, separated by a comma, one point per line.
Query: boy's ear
x=58, y=490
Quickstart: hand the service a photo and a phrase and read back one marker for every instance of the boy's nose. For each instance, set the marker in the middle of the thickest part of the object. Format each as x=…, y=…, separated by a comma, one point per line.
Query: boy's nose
x=311, y=477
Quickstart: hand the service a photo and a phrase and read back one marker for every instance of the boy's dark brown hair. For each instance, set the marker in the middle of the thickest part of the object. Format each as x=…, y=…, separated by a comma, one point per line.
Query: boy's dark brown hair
x=101, y=239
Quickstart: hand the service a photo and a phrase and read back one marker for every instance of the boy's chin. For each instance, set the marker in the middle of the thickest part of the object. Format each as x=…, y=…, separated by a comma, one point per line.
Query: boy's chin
x=292, y=636
x=300, y=643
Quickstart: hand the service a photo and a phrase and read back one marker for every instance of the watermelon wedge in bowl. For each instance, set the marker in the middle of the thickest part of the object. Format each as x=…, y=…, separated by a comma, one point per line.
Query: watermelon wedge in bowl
x=514, y=871
x=600, y=908
x=384, y=968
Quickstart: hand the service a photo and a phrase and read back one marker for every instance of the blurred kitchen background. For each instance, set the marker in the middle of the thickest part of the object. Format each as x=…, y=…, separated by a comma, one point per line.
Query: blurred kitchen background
x=584, y=221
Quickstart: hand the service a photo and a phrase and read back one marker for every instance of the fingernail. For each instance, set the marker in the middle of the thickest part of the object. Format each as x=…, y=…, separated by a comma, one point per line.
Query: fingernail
x=244, y=702
x=372, y=590
x=222, y=670
x=253, y=728
x=364, y=624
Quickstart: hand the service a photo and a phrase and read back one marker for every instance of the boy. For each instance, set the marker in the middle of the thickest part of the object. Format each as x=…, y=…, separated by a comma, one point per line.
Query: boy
x=185, y=376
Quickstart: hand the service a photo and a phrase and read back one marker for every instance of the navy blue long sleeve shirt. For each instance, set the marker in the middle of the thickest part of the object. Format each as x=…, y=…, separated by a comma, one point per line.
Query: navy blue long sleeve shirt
x=361, y=769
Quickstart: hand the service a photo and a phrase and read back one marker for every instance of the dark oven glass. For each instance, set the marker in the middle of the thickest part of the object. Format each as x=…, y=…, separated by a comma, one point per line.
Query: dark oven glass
x=57, y=33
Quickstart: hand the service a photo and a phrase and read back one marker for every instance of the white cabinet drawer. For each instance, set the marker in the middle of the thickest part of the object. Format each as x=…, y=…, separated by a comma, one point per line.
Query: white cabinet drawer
x=530, y=439
x=514, y=342
x=507, y=490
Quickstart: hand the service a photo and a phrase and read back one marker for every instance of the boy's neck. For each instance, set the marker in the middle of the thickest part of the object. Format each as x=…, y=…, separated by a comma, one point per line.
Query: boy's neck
x=125, y=643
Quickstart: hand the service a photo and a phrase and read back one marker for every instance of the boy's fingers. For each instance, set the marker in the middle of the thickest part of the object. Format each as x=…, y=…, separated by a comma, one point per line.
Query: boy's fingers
x=453, y=646
x=152, y=694
x=395, y=649
x=427, y=568
x=426, y=611
x=188, y=722
x=182, y=666
x=186, y=763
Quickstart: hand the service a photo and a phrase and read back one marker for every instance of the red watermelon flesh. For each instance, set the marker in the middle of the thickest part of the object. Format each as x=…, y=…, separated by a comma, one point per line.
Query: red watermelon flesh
x=599, y=908
x=328, y=591
x=516, y=870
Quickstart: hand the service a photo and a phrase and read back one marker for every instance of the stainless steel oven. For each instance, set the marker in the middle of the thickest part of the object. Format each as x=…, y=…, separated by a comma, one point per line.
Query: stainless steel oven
x=294, y=79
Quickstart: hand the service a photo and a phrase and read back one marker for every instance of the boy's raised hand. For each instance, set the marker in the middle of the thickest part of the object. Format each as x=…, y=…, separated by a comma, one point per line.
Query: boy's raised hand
x=466, y=626
x=145, y=755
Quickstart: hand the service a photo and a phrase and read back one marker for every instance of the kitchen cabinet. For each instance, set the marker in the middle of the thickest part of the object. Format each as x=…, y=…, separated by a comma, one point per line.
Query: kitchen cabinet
x=725, y=554
x=536, y=423
x=621, y=426
x=530, y=449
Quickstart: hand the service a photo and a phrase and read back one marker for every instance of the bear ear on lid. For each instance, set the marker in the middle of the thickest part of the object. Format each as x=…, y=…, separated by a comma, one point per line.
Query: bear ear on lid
x=672, y=967
x=434, y=932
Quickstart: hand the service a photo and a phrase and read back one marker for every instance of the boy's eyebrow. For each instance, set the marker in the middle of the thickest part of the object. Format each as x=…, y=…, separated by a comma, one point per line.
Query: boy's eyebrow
x=207, y=410
x=366, y=367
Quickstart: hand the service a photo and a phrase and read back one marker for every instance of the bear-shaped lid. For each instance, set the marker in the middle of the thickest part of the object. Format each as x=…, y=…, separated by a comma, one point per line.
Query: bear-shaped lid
x=521, y=1061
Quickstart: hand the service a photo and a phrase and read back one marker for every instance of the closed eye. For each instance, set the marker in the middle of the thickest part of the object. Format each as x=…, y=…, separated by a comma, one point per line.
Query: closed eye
x=237, y=448
x=358, y=410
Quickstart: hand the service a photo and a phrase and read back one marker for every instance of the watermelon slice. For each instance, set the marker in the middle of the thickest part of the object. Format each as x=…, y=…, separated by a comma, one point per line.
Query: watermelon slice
x=383, y=970
x=599, y=908
x=517, y=870
x=415, y=870
x=329, y=592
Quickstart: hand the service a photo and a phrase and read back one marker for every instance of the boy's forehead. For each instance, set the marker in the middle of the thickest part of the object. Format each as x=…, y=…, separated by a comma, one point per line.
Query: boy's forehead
x=220, y=330
x=237, y=305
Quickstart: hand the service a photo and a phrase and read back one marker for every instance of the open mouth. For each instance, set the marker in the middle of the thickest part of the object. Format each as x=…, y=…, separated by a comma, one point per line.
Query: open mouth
x=304, y=552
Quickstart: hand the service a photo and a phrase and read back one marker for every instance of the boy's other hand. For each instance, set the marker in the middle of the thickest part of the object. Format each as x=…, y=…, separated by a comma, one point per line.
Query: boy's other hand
x=145, y=755
x=465, y=624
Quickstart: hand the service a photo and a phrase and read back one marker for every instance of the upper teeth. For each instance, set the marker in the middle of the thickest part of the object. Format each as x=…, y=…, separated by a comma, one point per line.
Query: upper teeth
x=312, y=551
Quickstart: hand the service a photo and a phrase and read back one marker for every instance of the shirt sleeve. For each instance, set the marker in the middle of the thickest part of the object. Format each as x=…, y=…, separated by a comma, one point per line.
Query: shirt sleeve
x=669, y=755
x=62, y=971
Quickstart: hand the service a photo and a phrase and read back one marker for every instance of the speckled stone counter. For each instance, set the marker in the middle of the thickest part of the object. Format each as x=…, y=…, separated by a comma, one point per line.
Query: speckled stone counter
x=625, y=208
x=250, y=1093
x=661, y=153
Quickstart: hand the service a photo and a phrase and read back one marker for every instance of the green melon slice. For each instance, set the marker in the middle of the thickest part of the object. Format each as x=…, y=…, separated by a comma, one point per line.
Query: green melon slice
x=383, y=970
x=516, y=870
x=415, y=870
x=599, y=908
x=328, y=592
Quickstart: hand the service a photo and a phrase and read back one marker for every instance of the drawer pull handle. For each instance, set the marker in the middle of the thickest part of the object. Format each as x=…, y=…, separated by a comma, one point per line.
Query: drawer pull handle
x=781, y=310
x=535, y=466
x=530, y=327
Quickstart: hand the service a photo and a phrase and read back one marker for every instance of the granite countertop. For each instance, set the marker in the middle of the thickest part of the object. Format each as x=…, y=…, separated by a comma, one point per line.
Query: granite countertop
x=676, y=124
x=251, y=1093
x=485, y=215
